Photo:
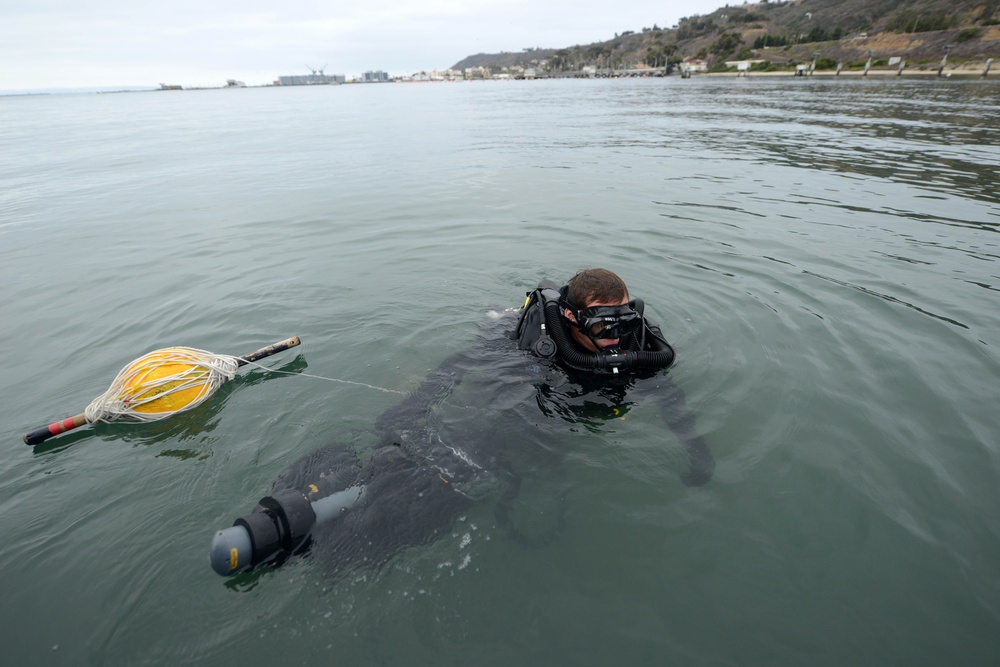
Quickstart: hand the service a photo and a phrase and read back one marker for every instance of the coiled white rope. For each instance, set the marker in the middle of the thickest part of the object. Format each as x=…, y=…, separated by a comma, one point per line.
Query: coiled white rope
x=144, y=391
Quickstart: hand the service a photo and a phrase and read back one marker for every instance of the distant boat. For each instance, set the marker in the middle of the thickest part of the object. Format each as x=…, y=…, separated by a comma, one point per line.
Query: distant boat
x=168, y=86
x=233, y=83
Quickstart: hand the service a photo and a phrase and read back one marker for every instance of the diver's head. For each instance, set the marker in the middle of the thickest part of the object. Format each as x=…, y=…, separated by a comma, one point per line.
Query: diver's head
x=594, y=286
x=597, y=306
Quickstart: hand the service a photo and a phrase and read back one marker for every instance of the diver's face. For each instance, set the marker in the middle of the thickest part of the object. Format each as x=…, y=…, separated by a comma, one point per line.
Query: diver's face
x=585, y=341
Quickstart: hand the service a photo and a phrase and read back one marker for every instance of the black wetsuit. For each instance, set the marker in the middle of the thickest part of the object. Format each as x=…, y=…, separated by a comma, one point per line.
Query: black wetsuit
x=436, y=458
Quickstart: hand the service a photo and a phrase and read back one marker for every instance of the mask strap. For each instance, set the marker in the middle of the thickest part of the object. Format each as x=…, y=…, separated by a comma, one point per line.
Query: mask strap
x=564, y=303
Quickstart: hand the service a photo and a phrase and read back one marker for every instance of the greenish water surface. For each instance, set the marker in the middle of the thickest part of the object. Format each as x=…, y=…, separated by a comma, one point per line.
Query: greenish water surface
x=823, y=255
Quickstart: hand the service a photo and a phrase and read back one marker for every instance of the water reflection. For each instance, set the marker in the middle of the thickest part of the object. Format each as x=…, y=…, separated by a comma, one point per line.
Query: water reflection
x=886, y=297
x=940, y=137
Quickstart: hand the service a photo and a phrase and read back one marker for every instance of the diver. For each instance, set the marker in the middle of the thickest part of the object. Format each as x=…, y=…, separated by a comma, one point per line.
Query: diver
x=592, y=329
x=587, y=345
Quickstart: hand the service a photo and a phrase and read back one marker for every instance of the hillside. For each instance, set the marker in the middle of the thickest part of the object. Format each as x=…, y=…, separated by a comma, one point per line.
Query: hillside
x=786, y=33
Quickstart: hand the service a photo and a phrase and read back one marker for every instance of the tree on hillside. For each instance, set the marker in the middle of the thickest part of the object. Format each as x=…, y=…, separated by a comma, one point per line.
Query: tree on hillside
x=727, y=43
x=559, y=60
x=819, y=34
x=910, y=20
x=659, y=55
x=695, y=27
x=770, y=40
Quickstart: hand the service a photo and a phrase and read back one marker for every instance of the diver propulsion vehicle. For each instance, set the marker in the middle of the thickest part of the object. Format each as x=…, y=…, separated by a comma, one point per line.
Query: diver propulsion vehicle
x=279, y=526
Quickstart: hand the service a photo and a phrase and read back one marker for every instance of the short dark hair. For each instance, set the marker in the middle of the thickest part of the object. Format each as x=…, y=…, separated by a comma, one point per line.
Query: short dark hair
x=596, y=285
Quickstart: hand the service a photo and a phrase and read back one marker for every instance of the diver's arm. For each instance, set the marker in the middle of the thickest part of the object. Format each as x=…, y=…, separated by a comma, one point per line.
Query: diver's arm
x=681, y=421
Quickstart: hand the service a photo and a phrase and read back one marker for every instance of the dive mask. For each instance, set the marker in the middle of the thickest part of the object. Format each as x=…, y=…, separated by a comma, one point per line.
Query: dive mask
x=607, y=322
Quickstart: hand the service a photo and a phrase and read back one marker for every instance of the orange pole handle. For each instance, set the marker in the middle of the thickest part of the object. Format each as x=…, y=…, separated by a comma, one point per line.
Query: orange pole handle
x=55, y=428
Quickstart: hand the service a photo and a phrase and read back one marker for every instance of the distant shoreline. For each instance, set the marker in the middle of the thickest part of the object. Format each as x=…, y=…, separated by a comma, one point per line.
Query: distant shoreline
x=963, y=71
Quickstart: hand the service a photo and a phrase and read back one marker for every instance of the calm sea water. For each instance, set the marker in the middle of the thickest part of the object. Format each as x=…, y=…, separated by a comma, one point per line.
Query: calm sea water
x=824, y=255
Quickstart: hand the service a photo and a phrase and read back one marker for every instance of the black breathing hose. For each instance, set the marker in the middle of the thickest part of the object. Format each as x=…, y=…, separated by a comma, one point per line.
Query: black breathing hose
x=623, y=359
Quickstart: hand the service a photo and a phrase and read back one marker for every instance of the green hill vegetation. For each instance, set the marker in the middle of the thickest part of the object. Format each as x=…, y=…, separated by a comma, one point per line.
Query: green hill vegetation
x=784, y=34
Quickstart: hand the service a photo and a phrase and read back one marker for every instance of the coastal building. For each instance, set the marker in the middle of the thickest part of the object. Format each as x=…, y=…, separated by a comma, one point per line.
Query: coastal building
x=743, y=65
x=314, y=79
x=476, y=72
x=435, y=75
x=377, y=76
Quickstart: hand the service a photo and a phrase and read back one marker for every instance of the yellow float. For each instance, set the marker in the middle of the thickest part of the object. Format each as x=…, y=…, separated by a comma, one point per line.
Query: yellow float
x=158, y=385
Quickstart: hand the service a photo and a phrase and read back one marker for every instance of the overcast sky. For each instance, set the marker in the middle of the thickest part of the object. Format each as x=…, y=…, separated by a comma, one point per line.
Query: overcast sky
x=97, y=43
